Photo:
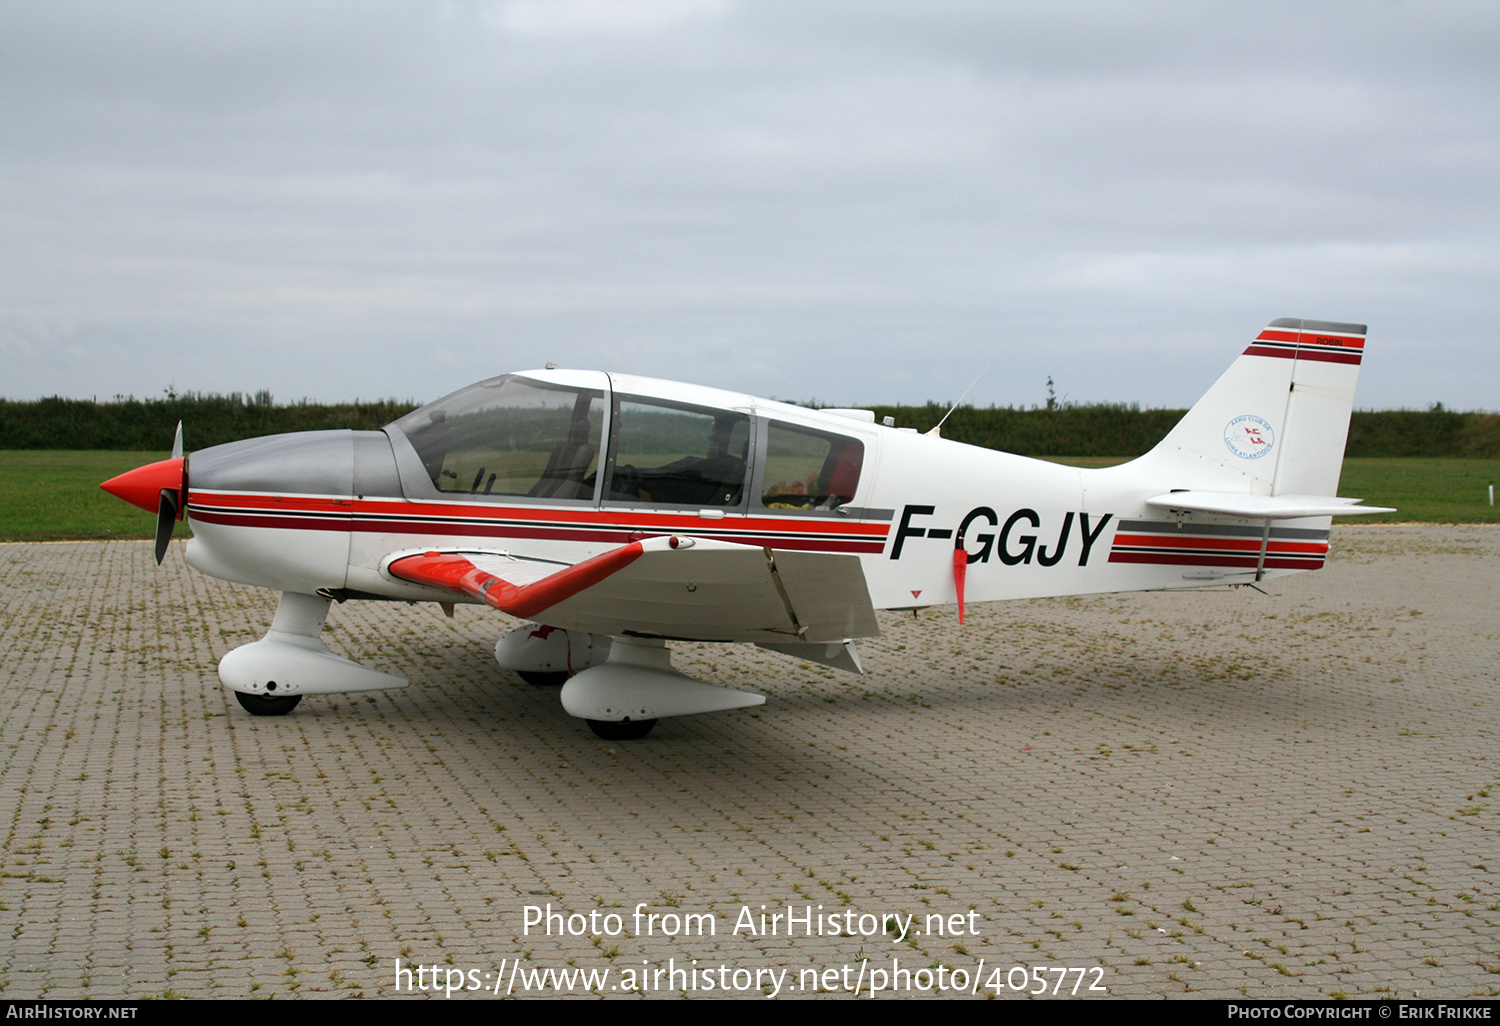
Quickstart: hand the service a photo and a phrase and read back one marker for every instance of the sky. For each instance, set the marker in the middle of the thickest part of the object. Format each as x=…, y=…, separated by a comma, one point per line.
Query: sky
x=851, y=202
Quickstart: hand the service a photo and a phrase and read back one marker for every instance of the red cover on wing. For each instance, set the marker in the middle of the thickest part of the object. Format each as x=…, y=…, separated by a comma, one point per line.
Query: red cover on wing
x=455, y=572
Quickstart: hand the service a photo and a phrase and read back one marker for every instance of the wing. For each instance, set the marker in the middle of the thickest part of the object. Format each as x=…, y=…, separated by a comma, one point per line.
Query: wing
x=681, y=588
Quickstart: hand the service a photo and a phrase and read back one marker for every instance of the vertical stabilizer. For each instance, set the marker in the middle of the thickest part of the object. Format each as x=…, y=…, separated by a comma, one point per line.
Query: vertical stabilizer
x=1275, y=423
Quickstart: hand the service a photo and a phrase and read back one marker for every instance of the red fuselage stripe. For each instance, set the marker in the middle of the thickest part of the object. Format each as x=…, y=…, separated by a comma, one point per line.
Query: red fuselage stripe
x=1203, y=559
x=418, y=519
x=1247, y=544
x=437, y=512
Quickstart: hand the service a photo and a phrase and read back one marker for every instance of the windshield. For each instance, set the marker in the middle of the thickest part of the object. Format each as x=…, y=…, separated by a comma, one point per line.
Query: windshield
x=510, y=436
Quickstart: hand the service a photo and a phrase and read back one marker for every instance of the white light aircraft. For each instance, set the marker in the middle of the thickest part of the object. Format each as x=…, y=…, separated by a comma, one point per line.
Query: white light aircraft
x=619, y=513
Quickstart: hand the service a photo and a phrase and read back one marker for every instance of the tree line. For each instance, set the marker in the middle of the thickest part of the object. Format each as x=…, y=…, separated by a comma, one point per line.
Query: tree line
x=1063, y=429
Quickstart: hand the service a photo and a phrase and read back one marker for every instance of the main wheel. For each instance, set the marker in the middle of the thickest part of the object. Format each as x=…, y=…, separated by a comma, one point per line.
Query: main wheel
x=544, y=678
x=621, y=730
x=266, y=705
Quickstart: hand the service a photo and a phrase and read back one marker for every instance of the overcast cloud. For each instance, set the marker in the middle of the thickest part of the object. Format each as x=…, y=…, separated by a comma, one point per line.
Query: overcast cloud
x=854, y=201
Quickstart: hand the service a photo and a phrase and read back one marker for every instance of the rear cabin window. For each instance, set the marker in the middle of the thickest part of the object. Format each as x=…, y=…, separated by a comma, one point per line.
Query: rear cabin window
x=809, y=470
x=679, y=455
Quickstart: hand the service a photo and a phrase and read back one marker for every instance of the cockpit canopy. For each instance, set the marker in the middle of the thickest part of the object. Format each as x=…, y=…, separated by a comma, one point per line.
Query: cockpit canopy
x=510, y=436
x=517, y=438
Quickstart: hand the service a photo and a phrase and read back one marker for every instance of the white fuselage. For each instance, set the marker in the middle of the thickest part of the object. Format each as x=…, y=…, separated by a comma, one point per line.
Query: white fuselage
x=1030, y=528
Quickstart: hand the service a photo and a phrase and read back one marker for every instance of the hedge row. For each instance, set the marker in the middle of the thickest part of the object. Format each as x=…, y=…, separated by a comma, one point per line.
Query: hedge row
x=1121, y=430
x=1068, y=430
x=146, y=425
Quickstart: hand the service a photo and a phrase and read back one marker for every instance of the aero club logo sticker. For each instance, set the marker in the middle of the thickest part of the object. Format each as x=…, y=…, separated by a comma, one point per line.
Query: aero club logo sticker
x=1249, y=437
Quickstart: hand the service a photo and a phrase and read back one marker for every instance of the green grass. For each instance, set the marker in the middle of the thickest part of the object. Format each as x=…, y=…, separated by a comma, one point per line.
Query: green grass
x=51, y=495
x=1424, y=489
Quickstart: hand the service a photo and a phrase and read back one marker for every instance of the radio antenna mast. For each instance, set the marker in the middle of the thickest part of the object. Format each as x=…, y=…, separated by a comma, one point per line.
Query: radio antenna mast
x=934, y=432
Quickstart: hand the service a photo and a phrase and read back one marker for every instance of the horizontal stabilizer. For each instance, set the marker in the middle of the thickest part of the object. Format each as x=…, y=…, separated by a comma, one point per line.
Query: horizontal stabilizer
x=1262, y=507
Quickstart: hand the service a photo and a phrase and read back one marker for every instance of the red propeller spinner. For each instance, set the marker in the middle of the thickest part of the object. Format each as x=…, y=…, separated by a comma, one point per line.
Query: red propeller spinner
x=143, y=486
x=159, y=488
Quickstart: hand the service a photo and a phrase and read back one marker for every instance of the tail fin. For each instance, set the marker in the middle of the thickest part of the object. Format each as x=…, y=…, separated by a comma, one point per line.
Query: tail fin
x=1276, y=422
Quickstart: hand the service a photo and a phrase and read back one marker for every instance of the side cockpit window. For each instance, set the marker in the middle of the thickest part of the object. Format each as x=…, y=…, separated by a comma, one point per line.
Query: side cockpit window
x=679, y=455
x=809, y=470
x=511, y=437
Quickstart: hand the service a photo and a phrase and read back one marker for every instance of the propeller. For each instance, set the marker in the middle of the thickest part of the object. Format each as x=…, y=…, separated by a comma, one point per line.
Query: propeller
x=166, y=519
x=159, y=488
x=167, y=511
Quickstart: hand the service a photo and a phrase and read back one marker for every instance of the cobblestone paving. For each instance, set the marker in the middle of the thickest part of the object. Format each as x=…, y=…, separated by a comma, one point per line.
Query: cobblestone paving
x=1214, y=794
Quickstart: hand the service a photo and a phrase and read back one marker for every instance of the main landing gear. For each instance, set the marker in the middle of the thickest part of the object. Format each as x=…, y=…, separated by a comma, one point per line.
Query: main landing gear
x=623, y=697
x=620, y=686
x=265, y=705
x=621, y=730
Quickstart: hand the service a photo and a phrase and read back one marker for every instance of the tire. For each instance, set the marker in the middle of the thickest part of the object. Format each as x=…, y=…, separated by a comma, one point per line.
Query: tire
x=263, y=705
x=621, y=730
x=544, y=678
